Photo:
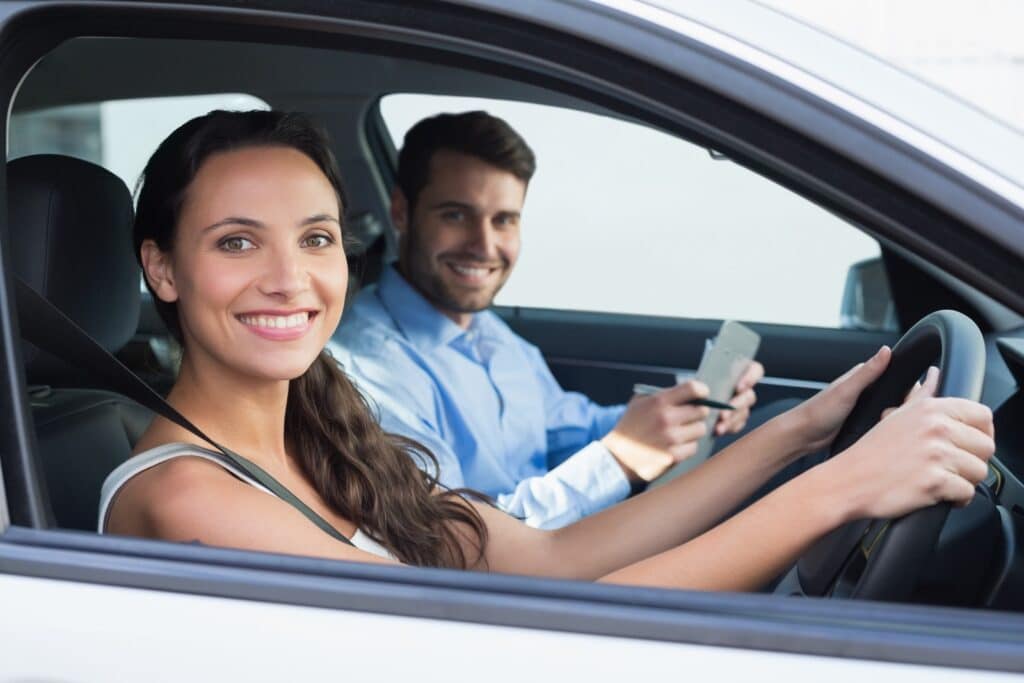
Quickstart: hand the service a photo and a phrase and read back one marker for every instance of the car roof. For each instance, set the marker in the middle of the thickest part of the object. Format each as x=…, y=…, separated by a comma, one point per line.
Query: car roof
x=943, y=126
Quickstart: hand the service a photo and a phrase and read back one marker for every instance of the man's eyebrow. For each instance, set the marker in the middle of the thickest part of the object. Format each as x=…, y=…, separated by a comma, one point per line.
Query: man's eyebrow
x=452, y=204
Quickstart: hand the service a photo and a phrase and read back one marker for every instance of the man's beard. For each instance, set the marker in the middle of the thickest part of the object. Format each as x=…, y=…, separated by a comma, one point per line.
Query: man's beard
x=420, y=272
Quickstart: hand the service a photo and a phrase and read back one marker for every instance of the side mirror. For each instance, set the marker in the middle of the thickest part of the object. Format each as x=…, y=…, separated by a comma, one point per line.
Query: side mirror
x=867, y=300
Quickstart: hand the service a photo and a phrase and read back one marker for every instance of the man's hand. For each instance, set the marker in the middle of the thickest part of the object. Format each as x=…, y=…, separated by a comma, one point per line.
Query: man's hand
x=658, y=430
x=743, y=399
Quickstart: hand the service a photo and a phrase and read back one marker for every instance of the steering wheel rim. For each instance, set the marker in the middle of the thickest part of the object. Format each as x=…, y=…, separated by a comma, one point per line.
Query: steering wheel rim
x=879, y=559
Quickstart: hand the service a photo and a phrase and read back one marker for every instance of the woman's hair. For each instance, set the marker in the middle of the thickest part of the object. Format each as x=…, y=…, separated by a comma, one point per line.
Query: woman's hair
x=366, y=475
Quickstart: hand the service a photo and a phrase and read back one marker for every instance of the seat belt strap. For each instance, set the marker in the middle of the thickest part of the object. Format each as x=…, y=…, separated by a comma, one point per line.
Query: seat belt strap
x=46, y=326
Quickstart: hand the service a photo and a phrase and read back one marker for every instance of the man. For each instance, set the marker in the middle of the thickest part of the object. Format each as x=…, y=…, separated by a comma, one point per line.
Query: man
x=447, y=372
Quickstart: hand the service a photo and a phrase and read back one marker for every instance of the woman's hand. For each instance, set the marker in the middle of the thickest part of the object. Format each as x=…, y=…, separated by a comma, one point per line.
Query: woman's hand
x=926, y=451
x=818, y=419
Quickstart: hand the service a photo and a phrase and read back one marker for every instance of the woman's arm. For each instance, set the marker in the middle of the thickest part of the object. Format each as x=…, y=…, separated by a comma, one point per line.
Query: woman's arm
x=644, y=525
x=943, y=445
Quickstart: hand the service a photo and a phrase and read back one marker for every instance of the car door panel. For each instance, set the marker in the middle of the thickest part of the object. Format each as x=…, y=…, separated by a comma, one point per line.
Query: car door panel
x=603, y=355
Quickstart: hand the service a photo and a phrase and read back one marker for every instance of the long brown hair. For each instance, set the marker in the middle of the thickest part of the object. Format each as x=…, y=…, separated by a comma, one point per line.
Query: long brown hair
x=370, y=477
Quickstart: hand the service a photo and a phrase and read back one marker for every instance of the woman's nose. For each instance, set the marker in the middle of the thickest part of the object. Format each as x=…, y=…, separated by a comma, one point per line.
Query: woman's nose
x=286, y=275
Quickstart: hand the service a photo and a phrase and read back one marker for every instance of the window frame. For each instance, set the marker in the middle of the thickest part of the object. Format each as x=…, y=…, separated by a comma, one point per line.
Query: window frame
x=898, y=633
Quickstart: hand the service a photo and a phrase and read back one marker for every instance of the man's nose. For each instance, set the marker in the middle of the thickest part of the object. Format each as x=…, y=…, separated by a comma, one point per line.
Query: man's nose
x=286, y=274
x=485, y=238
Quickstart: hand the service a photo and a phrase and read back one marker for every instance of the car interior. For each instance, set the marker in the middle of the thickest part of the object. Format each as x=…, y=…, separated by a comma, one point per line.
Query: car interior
x=71, y=221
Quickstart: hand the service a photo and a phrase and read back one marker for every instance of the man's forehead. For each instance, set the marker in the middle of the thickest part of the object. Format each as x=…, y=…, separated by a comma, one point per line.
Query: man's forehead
x=456, y=176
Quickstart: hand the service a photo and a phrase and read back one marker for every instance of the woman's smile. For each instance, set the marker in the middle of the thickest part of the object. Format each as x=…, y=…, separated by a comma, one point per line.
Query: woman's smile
x=278, y=325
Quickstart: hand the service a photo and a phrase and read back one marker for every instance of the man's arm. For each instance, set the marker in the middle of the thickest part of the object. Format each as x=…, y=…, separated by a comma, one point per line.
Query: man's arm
x=587, y=481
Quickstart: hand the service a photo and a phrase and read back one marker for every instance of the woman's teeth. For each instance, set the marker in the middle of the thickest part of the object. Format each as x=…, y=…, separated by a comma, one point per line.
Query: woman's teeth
x=275, y=321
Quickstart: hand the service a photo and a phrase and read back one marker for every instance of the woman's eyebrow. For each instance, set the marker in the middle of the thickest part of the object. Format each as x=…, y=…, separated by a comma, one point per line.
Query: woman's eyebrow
x=234, y=220
x=320, y=218
x=253, y=223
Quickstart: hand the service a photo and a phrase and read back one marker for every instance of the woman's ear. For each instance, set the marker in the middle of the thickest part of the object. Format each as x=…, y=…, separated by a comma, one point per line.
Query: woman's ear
x=159, y=272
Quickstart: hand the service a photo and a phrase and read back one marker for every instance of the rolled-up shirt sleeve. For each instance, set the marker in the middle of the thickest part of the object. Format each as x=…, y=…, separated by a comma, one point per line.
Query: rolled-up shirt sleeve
x=587, y=481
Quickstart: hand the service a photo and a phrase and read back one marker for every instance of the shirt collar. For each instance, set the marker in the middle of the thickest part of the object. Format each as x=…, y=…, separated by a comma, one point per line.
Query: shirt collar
x=421, y=323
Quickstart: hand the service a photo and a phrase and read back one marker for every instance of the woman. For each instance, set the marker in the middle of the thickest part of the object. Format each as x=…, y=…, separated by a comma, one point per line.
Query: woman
x=239, y=232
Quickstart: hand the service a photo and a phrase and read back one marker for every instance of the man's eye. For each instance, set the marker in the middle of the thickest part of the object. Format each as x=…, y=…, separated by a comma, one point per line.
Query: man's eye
x=317, y=241
x=452, y=216
x=236, y=244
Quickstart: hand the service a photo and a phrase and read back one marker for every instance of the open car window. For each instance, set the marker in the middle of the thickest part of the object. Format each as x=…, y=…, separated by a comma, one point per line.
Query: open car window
x=624, y=218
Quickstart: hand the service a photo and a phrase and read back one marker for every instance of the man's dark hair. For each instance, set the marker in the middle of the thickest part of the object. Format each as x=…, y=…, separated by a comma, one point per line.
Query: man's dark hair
x=475, y=133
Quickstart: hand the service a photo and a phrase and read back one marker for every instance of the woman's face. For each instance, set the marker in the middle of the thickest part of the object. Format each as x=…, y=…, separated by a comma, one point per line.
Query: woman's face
x=257, y=270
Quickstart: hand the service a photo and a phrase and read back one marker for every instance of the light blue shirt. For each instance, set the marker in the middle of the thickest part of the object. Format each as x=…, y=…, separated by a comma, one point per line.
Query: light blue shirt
x=484, y=402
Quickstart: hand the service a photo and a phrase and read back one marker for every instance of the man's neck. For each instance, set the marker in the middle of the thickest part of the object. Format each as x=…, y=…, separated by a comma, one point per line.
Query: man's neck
x=460, y=318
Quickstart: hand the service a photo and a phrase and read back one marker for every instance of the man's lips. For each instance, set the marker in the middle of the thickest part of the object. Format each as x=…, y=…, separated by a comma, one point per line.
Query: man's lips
x=474, y=273
x=278, y=325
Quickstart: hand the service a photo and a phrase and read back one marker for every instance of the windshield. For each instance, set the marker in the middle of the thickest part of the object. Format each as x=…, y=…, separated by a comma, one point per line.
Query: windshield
x=970, y=50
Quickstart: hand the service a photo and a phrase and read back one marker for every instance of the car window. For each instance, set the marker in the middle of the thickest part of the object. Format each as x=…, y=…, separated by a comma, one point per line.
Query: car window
x=119, y=135
x=623, y=218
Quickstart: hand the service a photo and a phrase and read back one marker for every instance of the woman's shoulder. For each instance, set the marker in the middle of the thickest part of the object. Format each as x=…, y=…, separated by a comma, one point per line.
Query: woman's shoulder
x=162, y=481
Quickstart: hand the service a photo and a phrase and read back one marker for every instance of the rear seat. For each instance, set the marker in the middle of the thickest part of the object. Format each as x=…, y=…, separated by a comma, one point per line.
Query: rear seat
x=70, y=224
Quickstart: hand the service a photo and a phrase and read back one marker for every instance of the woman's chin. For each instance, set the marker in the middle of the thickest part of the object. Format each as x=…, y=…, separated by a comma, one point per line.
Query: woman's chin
x=283, y=370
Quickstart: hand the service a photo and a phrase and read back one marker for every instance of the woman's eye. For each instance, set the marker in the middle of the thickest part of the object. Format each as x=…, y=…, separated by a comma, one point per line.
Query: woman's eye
x=236, y=244
x=317, y=241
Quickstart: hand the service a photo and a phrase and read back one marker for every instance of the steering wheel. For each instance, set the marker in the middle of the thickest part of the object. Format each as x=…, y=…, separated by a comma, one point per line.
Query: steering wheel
x=881, y=559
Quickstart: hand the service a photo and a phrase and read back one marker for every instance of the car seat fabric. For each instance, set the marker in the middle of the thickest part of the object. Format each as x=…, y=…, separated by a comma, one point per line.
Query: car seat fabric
x=70, y=240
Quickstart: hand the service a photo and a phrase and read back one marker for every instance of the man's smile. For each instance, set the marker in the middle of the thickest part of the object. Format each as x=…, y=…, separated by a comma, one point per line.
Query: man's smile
x=472, y=273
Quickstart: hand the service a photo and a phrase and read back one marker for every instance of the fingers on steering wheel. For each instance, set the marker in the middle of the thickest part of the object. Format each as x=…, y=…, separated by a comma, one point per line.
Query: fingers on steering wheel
x=970, y=413
x=957, y=490
x=973, y=442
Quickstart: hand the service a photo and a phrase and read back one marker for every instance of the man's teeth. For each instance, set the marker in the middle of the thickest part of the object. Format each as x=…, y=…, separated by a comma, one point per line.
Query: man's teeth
x=470, y=271
x=275, y=321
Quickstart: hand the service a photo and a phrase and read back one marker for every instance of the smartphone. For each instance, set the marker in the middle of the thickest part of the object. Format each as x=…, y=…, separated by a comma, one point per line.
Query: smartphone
x=723, y=364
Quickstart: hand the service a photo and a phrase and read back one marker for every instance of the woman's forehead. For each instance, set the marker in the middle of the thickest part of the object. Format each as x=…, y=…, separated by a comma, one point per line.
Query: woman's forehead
x=276, y=181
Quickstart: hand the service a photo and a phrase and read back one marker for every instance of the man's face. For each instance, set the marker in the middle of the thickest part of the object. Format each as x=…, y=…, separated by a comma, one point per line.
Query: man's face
x=461, y=239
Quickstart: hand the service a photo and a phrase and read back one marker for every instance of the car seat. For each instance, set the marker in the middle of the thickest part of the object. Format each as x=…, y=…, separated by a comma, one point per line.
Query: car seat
x=70, y=240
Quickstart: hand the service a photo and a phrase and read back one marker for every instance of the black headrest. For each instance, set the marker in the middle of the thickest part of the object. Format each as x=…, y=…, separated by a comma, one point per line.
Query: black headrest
x=70, y=240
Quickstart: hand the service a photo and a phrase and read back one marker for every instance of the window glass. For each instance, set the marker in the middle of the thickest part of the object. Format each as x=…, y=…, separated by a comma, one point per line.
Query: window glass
x=623, y=218
x=119, y=135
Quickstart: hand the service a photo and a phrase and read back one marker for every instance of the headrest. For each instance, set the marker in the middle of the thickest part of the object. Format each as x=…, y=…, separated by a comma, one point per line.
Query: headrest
x=70, y=240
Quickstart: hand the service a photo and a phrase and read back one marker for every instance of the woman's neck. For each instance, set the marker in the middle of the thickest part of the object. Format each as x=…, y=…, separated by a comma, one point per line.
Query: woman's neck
x=240, y=412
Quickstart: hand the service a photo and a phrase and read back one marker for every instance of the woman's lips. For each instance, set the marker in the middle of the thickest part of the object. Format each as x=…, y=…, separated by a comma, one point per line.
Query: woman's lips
x=278, y=327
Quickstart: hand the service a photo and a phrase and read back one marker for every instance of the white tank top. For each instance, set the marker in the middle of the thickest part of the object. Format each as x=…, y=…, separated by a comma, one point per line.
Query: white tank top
x=154, y=456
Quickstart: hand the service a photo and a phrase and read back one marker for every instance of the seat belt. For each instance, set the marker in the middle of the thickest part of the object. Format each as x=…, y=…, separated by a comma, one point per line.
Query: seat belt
x=46, y=326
